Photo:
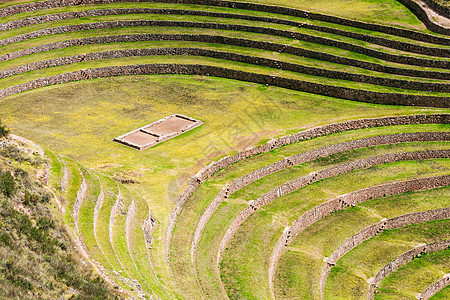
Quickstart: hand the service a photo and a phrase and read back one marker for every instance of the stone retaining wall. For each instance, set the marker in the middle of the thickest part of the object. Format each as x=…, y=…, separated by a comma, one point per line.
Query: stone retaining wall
x=194, y=69
x=370, y=231
x=315, y=132
x=381, y=81
x=435, y=287
x=81, y=195
x=443, y=10
x=411, y=34
x=401, y=260
x=98, y=205
x=298, y=159
x=131, y=215
x=117, y=207
x=401, y=59
x=344, y=201
x=399, y=45
x=303, y=181
x=422, y=15
x=206, y=172
x=206, y=39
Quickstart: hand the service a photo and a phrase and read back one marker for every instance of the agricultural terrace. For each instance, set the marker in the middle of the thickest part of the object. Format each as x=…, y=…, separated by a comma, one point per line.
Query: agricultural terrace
x=323, y=153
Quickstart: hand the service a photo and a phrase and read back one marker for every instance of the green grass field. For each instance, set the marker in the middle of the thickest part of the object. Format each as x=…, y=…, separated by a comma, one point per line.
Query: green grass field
x=251, y=245
x=81, y=123
x=315, y=243
x=367, y=259
x=415, y=276
x=443, y=294
x=76, y=123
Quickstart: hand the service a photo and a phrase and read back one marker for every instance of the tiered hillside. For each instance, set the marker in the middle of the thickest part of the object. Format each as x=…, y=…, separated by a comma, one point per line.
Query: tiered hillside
x=38, y=257
x=312, y=55
x=324, y=153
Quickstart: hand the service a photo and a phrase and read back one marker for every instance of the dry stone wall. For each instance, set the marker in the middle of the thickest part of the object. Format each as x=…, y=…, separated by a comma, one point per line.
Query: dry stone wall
x=308, y=134
x=81, y=195
x=402, y=59
x=303, y=181
x=131, y=215
x=343, y=202
x=195, y=69
x=422, y=15
x=302, y=158
x=210, y=39
x=411, y=34
x=405, y=84
x=399, y=45
x=401, y=260
x=118, y=205
x=98, y=204
x=441, y=9
x=435, y=287
x=370, y=231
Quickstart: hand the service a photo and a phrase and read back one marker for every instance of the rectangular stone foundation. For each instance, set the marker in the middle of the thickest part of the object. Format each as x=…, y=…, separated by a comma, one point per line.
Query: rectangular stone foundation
x=158, y=131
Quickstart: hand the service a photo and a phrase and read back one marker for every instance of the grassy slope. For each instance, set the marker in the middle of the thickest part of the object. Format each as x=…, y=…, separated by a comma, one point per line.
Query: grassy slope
x=204, y=8
x=79, y=120
x=379, y=11
x=37, y=74
x=110, y=191
x=315, y=243
x=386, y=11
x=193, y=18
x=74, y=184
x=37, y=259
x=414, y=277
x=248, y=254
x=443, y=294
x=193, y=209
x=368, y=258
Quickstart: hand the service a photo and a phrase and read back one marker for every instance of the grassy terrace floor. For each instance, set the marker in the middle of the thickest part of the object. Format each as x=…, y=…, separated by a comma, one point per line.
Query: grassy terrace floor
x=86, y=218
x=133, y=17
x=209, y=62
x=415, y=276
x=247, y=256
x=25, y=77
x=388, y=12
x=284, y=57
x=80, y=119
x=368, y=258
x=267, y=183
x=312, y=46
x=201, y=60
x=205, y=8
x=141, y=99
x=56, y=169
x=74, y=183
x=119, y=239
x=443, y=294
x=110, y=190
x=308, y=249
x=195, y=206
x=192, y=18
